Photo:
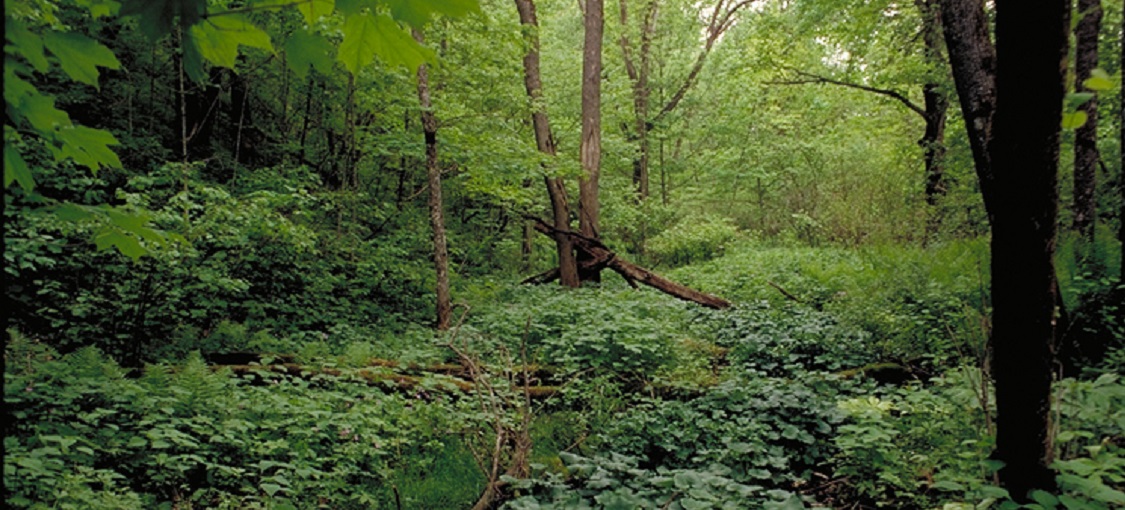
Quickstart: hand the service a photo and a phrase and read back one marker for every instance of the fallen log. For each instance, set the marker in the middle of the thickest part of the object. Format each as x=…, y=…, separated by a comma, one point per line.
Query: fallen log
x=603, y=257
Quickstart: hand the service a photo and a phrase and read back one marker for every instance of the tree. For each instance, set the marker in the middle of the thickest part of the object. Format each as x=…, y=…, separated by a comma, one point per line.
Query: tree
x=1086, y=136
x=437, y=219
x=1019, y=170
x=545, y=142
x=591, y=145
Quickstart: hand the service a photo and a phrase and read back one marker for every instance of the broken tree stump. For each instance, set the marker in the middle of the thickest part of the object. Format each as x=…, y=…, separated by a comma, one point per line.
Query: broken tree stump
x=601, y=257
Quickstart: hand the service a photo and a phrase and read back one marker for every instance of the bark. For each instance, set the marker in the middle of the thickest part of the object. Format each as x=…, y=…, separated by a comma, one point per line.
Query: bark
x=1032, y=41
x=639, y=74
x=599, y=257
x=591, y=144
x=936, y=104
x=1086, y=136
x=1121, y=169
x=973, y=61
x=556, y=189
x=437, y=220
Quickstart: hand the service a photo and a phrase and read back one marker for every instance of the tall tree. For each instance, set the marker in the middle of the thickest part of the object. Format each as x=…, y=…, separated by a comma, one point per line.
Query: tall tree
x=437, y=219
x=590, y=148
x=556, y=189
x=1086, y=136
x=1019, y=178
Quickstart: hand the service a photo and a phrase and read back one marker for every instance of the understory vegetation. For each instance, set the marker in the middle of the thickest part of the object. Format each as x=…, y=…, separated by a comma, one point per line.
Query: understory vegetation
x=287, y=254
x=841, y=378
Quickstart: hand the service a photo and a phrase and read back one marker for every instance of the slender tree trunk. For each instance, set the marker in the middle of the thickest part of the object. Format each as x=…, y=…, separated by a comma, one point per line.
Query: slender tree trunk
x=1121, y=169
x=1086, y=136
x=972, y=58
x=936, y=104
x=591, y=144
x=639, y=71
x=556, y=189
x=437, y=220
x=1032, y=41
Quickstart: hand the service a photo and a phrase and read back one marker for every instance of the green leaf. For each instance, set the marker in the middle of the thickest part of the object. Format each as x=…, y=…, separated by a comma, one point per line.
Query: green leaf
x=1099, y=80
x=130, y=247
x=350, y=7
x=417, y=13
x=271, y=488
x=79, y=56
x=40, y=111
x=1044, y=498
x=217, y=38
x=73, y=212
x=87, y=146
x=304, y=50
x=313, y=10
x=16, y=170
x=15, y=88
x=1076, y=99
x=157, y=17
x=1073, y=120
x=25, y=44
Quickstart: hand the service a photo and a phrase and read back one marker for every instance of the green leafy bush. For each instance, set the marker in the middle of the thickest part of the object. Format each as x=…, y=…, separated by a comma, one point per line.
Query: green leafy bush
x=693, y=239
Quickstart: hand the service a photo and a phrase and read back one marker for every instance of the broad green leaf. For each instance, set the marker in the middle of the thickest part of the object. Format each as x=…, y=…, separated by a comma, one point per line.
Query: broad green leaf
x=417, y=13
x=217, y=38
x=79, y=56
x=87, y=146
x=1099, y=80
x=157, y=17
x=303, y=50
x=1044, y=498
x=128, y=245
x=360, y=38
x=73, y=212
x=16, y=170
x=25, y=44
x=271, y=488
x=1073, y=120
x=313, y=10
x=396, y=47
x=15, y=88
x=1076, y=99
x=40, y=111
x=350, y=7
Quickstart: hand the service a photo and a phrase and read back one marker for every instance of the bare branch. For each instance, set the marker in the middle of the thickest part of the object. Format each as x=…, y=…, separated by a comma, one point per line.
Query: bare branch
x=810, y=78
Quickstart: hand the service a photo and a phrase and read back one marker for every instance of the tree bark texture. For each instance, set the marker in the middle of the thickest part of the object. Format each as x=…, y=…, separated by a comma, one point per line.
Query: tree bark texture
x=936, y=104
x=591, y=143
x=1086, y=136
x=437, y=219
x=639, y=71
x=972, y=58
x=1121, y=169
x=556, y=189
x=1031, y=51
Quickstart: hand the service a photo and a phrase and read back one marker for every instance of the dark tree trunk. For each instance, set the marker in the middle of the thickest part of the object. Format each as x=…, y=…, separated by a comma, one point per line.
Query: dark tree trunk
x=1032, y=41
x=1121, y=169
x=591, y=145
x=973, y=61
x=936, y=104
x=437, y=220
x=556, y=189
x=1086, y=136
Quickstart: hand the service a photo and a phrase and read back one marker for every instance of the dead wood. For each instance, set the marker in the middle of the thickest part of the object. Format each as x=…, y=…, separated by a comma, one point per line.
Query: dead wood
x=599, y=256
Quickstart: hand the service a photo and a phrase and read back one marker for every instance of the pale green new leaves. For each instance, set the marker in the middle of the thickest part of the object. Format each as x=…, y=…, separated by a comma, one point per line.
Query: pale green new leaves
x=313, y=10
x=1099, y=80
x=367, y=35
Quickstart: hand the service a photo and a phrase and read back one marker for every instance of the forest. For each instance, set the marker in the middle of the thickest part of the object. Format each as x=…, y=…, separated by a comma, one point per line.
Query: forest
x=524, y=254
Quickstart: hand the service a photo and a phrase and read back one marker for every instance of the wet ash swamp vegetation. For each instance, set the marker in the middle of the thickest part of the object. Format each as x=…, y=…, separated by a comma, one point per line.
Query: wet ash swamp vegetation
x=646, y=254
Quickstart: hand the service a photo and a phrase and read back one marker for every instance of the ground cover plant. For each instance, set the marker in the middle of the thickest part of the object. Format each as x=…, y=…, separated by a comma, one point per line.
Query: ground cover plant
x=485, y=254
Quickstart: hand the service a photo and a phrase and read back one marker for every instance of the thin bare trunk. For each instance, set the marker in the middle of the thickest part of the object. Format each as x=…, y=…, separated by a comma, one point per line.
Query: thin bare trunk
x=437, y=220
x=591, y=144
x=556, y=189
x=1086, y=137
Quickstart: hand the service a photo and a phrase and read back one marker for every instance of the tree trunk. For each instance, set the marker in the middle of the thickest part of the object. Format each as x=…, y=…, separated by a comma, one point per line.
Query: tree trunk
x=591, y=144
x=556, y=189
x=1121, y=169
x=1086, y=136
x=639, y=75
x=936, y=104
x=1032, y=41
x=437, y=220
x=973, y=61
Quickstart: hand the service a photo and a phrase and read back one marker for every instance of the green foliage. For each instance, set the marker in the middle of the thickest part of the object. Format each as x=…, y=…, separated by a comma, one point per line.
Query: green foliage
x=692, y=240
